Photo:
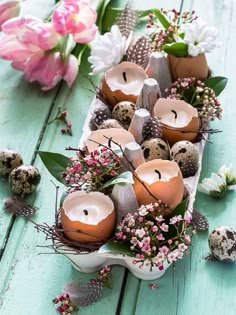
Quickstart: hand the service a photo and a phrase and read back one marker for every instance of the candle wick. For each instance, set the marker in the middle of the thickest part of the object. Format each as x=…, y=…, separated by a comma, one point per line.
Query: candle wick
x=156, y=171
x=85, y=211
x=174, y=112
x=124, y=76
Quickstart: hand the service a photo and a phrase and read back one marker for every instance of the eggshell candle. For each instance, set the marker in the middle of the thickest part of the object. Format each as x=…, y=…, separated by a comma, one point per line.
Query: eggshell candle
x=102, y=136
x=163, y=179
x=188, y=67
x=87, y=216
x=179, y=120
x=123, y=82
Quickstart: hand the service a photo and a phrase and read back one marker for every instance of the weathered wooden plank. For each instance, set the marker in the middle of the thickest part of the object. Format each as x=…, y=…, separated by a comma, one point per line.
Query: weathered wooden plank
x=196, y=286
x=21, y=263
x=24, y=108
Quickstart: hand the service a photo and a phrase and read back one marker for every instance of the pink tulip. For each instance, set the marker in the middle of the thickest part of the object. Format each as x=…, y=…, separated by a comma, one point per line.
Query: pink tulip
x=32, y=46
x=76, y=18
x=49, y=69
x=9, y=9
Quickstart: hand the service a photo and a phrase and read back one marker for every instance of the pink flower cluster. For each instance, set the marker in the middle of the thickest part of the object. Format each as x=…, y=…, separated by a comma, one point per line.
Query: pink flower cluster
x=42, y=50
x=165, y=35
x=66, y=307
x=154, y=238
x=196, y=93
x=89, y=172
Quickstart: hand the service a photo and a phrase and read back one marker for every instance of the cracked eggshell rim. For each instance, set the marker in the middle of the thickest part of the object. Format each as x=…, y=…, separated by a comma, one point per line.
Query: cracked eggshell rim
x=97, y=225
x=117, y=89
x=163, y=106
x=102, y=136
x=169, y=189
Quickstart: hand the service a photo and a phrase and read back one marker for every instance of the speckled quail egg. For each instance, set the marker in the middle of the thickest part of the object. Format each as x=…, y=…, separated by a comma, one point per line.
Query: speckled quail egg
x=124, y=112
x=9, y=159
x=222, y=243
x=186, y=155
x=110, y=123
x=155, y=148
x=24, y=179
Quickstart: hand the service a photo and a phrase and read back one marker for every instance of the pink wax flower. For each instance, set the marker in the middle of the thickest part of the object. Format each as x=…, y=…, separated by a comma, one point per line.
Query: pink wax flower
x=31, y=46
x=9, y=9
x=76, y=18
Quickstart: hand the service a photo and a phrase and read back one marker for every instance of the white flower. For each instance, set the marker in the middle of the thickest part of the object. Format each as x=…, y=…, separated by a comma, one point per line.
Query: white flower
x=228, y=174
x=199, y=37
x=214, y=186
x=108, y=50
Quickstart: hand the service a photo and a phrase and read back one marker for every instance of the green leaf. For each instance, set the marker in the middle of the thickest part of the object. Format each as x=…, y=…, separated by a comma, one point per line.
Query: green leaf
x=165, y=23
x=123, y=178
x=180, y=209
x=217, y=84
x=179, y=49
x=55, y=163
x=101, y=8
x=115, y=247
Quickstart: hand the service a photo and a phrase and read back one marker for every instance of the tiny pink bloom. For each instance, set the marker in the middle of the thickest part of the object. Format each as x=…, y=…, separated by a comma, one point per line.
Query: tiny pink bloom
x=164, y=227
x=182, y=247
x=9, y=9
x=153, y=286
x=164, y=249
x=140, y=232
x=76, y=18
x=160, y=237
x=187, y=238
x=154, y=228
x=146, y=248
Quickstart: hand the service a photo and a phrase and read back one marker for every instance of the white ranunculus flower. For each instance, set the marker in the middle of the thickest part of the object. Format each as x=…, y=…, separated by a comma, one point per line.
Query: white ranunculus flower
x=199, y=37
x=108, y=50
x=214, y=186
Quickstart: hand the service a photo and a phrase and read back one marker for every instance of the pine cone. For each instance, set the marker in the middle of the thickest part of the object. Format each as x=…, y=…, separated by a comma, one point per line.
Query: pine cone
x=152, y=129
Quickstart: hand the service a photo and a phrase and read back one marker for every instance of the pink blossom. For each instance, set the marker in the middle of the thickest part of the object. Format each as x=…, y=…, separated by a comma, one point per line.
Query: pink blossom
x=175, y=219
x=154, y=228
x=140, y=232
x=164, y=227
x=9, y=9
x=164, y=249
x=182, y=247
x=160, y=237
x=76, y=18
x=172, y=256
x=146, y=248
x=26, y=43
x=187, y=238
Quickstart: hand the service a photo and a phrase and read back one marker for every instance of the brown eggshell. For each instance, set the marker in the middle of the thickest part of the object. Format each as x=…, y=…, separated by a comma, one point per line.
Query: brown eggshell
x=174, y=134
x=117, y=87
x=99, y=222
x=169, y=189
x=188, y=67
x=102, y=136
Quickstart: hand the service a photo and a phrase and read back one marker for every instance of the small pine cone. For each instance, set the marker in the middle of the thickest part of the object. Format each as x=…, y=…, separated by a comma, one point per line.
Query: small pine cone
x=99, y=115
x=152, y=129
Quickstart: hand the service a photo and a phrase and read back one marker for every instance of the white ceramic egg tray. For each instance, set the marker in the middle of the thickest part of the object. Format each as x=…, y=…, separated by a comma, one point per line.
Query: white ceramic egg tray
x=91, y=262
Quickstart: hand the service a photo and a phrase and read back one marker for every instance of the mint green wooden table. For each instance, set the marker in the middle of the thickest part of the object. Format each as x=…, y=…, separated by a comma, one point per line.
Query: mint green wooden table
x=28, y=280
